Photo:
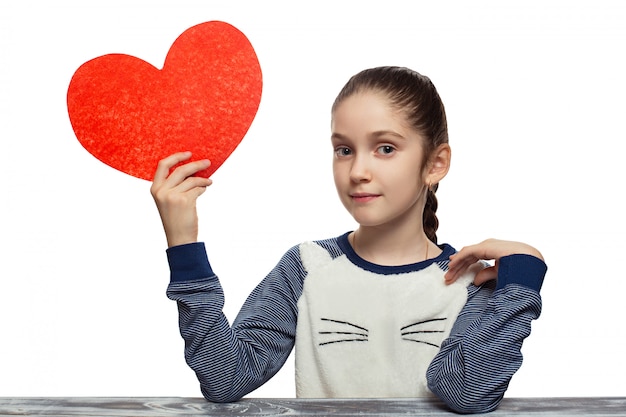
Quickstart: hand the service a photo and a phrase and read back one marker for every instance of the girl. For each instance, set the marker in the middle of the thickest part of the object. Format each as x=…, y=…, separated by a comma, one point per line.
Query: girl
x=383, y=311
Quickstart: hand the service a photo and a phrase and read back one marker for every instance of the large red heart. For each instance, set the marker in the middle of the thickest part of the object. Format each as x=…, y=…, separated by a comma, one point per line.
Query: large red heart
x=129, y=114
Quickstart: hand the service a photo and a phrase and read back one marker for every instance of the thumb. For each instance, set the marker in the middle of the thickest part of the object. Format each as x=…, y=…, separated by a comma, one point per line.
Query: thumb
x=485, y=275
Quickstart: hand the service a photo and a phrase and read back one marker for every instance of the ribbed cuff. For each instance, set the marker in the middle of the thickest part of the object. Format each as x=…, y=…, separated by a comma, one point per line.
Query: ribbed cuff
x=521, y=269
x=188, y=262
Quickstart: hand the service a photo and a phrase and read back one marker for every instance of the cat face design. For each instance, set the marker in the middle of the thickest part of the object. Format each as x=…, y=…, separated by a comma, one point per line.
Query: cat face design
x=363, y=334
x=339, y=331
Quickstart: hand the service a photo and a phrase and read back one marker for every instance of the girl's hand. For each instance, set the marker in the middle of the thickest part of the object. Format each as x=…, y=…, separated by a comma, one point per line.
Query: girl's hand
x=490, y=249
x=175, y=195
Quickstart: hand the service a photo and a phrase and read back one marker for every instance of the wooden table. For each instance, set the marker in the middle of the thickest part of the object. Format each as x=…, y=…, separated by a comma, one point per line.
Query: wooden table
x=160, y=406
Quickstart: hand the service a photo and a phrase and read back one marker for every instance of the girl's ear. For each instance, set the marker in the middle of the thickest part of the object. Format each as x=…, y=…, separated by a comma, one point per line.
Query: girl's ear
x=438, y=164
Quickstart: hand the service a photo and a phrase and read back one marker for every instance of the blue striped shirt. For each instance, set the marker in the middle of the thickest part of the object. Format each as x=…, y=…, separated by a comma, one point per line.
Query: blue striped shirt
x=471, y=371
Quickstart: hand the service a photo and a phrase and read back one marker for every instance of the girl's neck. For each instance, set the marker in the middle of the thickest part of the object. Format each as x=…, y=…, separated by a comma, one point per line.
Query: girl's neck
x=393, y=247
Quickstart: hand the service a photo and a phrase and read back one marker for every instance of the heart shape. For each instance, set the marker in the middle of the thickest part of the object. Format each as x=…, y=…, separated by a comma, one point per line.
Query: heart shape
x=129, y=114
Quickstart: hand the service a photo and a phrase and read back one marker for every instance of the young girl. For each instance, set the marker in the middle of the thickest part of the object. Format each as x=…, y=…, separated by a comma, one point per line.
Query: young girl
x=383, y=311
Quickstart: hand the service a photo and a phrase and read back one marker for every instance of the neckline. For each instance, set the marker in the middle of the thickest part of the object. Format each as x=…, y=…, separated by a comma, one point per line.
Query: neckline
x=442, y=259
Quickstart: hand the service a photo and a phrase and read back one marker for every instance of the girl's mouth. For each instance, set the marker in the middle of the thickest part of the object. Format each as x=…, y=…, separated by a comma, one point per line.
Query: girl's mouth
x=363, y=197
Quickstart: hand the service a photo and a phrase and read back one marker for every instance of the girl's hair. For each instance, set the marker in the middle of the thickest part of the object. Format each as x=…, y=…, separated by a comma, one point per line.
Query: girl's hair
x=415, y=96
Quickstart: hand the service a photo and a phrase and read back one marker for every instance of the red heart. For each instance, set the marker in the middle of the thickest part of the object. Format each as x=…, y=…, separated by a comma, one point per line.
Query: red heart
x=129, y=114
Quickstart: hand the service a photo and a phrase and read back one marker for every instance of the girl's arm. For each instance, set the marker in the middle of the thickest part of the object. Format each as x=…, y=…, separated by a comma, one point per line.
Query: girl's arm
x=229, y=361
x=475, y=364
x=232, y=361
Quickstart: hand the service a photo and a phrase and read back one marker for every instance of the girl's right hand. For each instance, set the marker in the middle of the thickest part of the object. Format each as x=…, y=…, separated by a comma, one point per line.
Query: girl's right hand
x=175, y=194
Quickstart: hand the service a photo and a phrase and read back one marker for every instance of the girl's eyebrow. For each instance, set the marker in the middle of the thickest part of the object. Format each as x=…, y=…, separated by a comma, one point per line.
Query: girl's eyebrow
x=380, y=133
x=337, y=136
x=377, y=134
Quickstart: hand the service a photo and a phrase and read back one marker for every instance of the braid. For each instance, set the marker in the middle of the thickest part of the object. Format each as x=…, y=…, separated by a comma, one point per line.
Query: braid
x=430, y=221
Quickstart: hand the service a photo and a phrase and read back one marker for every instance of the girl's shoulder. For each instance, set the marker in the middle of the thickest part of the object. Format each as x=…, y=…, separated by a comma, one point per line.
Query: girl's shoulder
x=340, y=246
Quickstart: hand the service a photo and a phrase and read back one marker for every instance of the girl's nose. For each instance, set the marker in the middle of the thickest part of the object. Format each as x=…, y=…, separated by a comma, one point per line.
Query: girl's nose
x=360, y=170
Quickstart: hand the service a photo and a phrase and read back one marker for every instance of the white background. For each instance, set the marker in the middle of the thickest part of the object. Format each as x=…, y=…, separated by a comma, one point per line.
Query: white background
x=535, y=98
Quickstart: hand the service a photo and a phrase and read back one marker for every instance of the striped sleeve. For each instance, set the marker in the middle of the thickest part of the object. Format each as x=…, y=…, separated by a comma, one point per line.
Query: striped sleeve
x=231, y=361
x=475, y=364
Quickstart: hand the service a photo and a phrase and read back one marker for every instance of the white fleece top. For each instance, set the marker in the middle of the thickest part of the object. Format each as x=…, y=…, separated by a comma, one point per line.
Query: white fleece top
x=369, y=335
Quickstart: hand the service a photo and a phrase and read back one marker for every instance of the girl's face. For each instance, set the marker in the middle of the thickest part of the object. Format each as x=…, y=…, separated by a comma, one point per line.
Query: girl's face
x=377, y=163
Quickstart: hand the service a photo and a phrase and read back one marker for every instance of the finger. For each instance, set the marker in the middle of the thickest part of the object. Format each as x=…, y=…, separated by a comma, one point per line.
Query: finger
x=165, y=165
x=485, y=275
x=461, y=259
x=195, y=185
x=477, y=251
x=458, y=268
x=181, y=173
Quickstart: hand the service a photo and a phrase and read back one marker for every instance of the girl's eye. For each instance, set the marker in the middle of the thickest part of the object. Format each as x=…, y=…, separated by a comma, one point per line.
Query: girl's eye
x=386, y=149
x=343, y=151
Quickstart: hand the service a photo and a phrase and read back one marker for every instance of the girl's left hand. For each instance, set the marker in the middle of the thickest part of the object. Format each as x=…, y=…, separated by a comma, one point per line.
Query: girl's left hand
x=490, y=249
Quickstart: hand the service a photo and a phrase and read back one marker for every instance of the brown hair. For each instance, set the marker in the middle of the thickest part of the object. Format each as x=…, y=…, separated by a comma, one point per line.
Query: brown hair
x=417, y=98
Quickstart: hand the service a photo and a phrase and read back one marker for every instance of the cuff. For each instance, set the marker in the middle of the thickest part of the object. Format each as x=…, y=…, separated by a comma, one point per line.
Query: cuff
x=521, y=269
x=188, y=262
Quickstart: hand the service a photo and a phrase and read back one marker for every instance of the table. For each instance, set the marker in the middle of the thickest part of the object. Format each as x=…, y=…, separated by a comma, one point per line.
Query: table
x=166, y=407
